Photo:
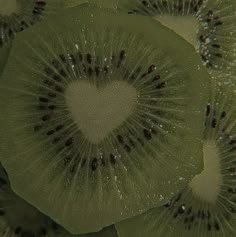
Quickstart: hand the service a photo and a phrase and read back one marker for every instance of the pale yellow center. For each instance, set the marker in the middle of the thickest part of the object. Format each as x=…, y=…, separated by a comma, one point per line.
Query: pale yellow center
x=206, y=185
x=97, y=112
x=7, y=7
x=185, y=26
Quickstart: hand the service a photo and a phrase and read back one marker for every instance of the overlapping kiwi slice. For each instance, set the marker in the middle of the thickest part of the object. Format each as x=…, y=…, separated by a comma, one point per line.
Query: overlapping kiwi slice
x=207, y=207
x=20, y=219
x=102, y=120
x=208, y=24
x=17, y=15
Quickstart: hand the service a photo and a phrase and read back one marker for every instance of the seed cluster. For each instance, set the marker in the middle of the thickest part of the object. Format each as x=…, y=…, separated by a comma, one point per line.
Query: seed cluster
x=11, y=25
x=208, y=49
x=210, y=22
x=157, y=7
x=20, y=230
x=51, y=98
x=192, y=216
x=191, y=211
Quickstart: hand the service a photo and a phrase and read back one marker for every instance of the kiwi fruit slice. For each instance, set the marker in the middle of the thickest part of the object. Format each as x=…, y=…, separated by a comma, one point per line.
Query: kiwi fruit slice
x=17, y=15
x=207, y=206
x=20, y=219
x=207, y=24
x=98, y=117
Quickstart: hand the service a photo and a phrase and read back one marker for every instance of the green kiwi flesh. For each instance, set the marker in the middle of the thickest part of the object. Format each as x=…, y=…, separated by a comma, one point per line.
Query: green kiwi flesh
x=74, y=3
x=17, y=15
x=20, y=219
x=209, y=25
x=207, y=206
x=146, y=83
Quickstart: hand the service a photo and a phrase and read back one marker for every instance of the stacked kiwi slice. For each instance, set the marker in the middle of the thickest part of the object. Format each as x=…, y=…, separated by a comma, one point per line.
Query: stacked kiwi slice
x=117, y=118
x=207, y=206
x=18, y=15
x=20, y=219
x=209, y=25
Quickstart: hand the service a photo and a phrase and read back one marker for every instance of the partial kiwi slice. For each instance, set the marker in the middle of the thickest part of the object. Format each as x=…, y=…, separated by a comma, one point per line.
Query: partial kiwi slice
x=208, y=24
x=20, y=219
x=17, y=15
x=97, y=114
x=207, y=206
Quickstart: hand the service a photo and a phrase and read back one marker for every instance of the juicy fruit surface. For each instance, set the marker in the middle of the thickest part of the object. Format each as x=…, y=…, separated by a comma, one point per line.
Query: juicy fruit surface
x=20, y=219
x=207, y=206
x=4, y=52
x=214, y=35
x=17, y=15
x=85, y=180
x=74, y=3
x=8, y=7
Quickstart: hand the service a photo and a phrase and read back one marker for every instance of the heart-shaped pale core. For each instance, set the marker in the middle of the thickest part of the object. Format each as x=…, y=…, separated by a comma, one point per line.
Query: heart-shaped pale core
x=98, y=111
x=207, y=184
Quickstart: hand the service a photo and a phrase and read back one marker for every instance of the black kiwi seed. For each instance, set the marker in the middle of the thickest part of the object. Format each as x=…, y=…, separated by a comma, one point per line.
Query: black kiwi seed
x=2, y=182
x=56, y=140
x=120, y=139
x=97, y=70
x=89, y=58
x=147, y=134
x=51, y=107
x=208, y=110
x=59, y=127
x=43, y=99
x=181, y=209
x=214, y=123
x=2, y=212
x=51, y=132
x=69, y=142
x=45, y=117
x=94, y=164
x=55, y=226
x=37, y=128
x=151, y=69
x=43, y=231
x=17, y=230
x=127, y=148
x=112, y=159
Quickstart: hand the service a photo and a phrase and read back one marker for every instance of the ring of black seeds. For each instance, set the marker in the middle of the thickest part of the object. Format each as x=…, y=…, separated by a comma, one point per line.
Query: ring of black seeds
x=181, y=207
x=48, y=104
x=15, y=229
x=211, y=24
x=31, y=12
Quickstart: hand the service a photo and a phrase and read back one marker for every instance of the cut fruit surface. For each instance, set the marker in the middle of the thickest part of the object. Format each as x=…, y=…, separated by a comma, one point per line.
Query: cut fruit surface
x=8, y=7
x=208, y=24
x=186, y=26
x=20, y=219
x=207, y=206
x=99, y=117
x=17, y=15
